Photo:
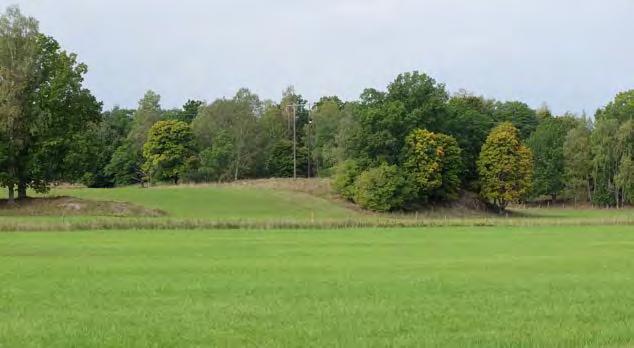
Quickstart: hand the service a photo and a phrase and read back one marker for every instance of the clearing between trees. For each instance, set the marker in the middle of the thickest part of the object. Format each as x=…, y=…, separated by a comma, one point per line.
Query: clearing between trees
x=263, y=204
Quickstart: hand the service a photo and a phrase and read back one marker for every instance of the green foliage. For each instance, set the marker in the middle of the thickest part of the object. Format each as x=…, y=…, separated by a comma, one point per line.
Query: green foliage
x=169, y=151
x=345, y=177
x=547, y=146
x=423, y=99
x=543, y=113
x=612, y=145
x=236, y=119
x=125, y=165
x=433, y=162
x=620, y=109
x=470, y=121
x=43, y=105
x=187, y=113
x=190, y=110
x=291, y=100
x=519, y=114
x=51, y=130
x=147, y=114
x=92, y=151
x=322, y=133
x=215, y=161
x=329, y=100
x=505, y=167
x=383, y=188
x=624, y=179
x=272, y=143
x=578, y=162
x=413, y=101
x=279, y=162
x=606, y=157
x=4, y=156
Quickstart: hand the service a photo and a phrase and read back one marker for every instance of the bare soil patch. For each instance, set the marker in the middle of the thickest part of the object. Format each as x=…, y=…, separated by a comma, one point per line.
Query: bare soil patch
x=67, y=206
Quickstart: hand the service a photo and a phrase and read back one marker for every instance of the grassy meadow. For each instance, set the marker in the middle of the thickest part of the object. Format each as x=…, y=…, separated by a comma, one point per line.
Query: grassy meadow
x=519, y=286
x=261, y=204
x=90, y=277
x=219, y=202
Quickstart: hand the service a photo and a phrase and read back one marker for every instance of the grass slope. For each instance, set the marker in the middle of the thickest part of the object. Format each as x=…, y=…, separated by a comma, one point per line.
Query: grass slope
x=538, y=286
x=262, y=204
x=220, y=202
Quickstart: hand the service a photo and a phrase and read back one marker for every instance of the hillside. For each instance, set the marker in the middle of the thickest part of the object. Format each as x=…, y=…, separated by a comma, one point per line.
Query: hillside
x=244, y=200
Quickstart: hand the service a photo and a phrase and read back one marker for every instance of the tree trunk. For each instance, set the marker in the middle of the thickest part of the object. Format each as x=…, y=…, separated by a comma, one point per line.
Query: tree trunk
x=622, y=200
x=235, y=173
x=589, y=191
x=22, y=190
x=11, y=194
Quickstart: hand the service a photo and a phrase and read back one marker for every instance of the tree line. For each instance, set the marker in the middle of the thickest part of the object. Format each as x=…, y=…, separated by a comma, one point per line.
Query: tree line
x=412, y=144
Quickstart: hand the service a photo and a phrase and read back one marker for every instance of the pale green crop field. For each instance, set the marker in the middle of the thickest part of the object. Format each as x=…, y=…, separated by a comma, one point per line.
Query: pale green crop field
x=448, y=286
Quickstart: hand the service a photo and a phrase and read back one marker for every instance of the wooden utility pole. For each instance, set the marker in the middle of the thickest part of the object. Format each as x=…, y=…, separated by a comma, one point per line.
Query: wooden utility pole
x=294, y=108
x=294, y=142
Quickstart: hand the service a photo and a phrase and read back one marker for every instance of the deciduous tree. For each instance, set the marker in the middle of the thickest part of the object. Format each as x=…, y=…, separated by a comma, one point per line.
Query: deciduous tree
x=126, y=164
x=236, y=118
x=505, y=167
x=43, y=105
x=169, y=151
x=547, y=146
x=578, y=161
x=519, y=114
x=432, y=161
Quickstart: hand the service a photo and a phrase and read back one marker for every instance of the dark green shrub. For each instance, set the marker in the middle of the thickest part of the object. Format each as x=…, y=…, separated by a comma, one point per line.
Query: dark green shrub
x=603, y=198
x=383, y=188
x=344, y=179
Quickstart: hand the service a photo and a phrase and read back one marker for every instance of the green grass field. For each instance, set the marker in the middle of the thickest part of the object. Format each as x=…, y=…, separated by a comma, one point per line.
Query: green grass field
x=538, y=278
x=569, y=286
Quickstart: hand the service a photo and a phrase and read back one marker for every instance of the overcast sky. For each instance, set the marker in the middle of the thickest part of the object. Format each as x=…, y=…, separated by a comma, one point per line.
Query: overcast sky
x=572, y=54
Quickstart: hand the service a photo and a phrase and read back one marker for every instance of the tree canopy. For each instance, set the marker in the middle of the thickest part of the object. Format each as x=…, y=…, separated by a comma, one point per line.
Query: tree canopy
x=44, y=106
x=505, y=167
x=169, y=151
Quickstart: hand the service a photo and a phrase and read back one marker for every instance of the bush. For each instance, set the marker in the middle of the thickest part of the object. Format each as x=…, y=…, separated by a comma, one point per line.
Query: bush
x=345, y=177
x=383, y=188
x=603, y=198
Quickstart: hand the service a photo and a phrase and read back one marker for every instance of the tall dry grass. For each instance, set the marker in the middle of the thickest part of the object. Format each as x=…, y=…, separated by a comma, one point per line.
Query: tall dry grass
x=106, y=223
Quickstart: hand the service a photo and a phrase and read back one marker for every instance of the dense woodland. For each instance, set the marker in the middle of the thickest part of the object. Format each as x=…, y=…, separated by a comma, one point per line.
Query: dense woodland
x=405, y=146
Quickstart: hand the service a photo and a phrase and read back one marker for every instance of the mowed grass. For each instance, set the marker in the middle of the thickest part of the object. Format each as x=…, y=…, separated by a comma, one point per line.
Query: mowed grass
x=487, y=286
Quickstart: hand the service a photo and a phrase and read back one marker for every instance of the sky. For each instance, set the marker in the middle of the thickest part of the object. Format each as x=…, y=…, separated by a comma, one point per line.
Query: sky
x=573, y=55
